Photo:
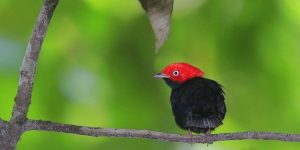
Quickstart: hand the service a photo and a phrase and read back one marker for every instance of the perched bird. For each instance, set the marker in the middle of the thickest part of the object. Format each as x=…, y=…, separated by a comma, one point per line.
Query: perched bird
x=197, y=102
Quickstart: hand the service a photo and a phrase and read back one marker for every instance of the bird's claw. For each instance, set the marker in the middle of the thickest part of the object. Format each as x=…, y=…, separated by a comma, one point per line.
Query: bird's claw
x=190, y=135
x=208, y=135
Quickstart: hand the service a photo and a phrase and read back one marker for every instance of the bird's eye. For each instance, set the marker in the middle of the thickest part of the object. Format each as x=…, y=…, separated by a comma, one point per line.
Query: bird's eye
x=176, y=73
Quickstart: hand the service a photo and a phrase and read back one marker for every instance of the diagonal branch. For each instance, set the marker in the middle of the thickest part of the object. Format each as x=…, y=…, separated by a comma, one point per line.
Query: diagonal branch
x=147, y=134
x=30, y=59
x=2, y=123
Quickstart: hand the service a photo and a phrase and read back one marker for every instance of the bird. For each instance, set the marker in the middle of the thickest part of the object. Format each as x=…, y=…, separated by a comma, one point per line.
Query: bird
x=198, y=103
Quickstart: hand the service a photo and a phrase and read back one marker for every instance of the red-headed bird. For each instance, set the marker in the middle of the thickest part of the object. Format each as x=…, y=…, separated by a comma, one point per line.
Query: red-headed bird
x=197, y=102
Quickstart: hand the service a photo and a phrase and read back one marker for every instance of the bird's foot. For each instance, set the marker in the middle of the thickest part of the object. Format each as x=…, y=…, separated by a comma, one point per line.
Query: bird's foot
x=190, y=135
x=208, y=137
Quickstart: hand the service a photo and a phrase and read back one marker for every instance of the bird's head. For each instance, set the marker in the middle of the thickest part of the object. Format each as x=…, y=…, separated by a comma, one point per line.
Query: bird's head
x=180, y=72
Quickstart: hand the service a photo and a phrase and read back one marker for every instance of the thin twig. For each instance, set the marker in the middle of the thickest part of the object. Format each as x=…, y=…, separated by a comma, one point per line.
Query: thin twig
x=28, y=67
x=147, y=134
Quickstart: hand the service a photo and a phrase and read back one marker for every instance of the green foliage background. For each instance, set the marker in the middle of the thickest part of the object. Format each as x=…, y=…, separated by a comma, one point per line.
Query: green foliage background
x=98, y=59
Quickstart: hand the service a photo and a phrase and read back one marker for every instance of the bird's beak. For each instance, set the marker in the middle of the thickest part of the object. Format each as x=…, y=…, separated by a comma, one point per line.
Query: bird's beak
x=160, y=75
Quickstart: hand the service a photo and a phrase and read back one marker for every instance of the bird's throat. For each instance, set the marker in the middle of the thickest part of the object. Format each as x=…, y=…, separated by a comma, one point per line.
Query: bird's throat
x=171, y=83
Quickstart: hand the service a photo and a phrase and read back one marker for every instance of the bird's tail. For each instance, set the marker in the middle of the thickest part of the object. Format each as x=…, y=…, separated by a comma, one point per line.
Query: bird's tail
x=203, y=124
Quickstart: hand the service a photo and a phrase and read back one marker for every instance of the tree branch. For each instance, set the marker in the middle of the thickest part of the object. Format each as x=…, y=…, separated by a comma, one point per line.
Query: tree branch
x=147, y=134
x=28, y=67
x=2, y=123
x=11, y=131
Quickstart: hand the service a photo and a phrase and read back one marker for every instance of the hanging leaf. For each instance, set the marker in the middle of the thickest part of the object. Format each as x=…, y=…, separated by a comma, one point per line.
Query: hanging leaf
x=159, y=13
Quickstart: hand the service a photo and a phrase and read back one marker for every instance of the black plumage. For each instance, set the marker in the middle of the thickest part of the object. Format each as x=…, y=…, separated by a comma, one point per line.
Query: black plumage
x=198, y=104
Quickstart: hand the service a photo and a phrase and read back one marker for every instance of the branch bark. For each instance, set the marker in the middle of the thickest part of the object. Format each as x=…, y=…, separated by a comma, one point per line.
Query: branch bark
x=147, y=134
x=11, y=131
x=27, y=70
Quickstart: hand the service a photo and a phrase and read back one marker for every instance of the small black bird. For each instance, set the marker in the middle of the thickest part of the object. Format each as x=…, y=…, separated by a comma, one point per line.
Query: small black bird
x=197, y=102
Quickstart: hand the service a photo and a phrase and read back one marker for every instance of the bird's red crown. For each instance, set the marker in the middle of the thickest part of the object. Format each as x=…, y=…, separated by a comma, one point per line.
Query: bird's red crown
x=180, y=72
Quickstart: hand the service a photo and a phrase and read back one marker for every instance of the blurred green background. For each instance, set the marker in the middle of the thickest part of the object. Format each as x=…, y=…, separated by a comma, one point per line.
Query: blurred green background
x=98, y=59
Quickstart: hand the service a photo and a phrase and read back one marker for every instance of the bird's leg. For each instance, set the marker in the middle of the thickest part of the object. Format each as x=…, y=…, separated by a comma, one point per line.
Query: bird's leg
x=208, y=134
x=190, y=135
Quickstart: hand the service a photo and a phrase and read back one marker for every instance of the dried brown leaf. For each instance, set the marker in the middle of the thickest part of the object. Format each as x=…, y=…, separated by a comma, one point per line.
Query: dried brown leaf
x=159, y=13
